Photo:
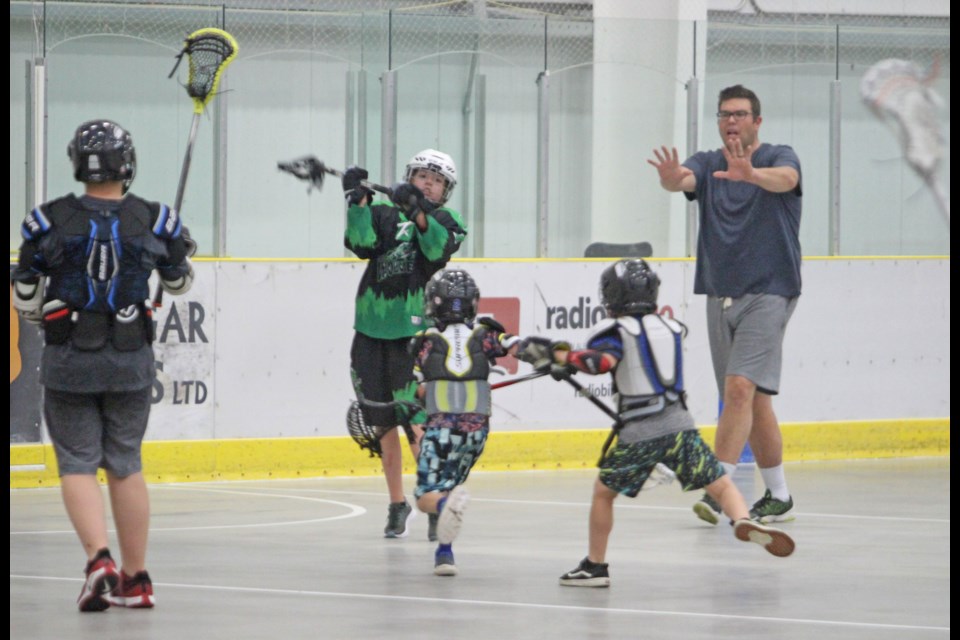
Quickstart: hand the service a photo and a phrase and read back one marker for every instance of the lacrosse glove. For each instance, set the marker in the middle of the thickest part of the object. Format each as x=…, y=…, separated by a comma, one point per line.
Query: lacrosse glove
x=353, y=189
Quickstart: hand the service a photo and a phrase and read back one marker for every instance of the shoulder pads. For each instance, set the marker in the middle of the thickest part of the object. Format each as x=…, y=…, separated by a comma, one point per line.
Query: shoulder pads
x=166, y=223
x=35, y=224
x=602, y=327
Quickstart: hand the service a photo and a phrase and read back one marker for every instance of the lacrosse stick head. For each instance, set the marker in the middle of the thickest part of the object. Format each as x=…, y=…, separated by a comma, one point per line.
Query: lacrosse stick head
x=362, y=432
x=208, y=52
x=306, y=168
x=898, y=91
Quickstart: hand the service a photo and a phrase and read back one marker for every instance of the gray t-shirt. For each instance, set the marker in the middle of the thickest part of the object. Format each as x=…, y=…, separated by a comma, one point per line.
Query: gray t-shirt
x=749, y=239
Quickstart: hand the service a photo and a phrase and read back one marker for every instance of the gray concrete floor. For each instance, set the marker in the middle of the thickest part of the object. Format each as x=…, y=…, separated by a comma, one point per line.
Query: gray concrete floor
x=306, y=559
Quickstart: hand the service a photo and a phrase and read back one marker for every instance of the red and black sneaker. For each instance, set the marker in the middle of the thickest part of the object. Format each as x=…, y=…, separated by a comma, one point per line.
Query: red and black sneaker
x=133, y=592
x=101, y=577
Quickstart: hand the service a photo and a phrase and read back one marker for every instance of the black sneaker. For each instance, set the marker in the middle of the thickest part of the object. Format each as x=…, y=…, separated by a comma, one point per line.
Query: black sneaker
x=769, y=509
x=587, y=574
x=399, y=514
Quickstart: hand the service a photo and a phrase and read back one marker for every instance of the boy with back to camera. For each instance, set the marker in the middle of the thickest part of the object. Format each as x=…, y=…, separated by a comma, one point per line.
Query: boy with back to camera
x=452, y=362
x=83, y=275
x=643, y=352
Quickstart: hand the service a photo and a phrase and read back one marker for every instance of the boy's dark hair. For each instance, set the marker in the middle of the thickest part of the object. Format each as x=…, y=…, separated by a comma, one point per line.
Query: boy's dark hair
x=740, y=91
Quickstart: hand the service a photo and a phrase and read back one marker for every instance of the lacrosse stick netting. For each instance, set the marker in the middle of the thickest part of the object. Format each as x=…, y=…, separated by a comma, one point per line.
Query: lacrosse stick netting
x=898, y=91
x=208, y=51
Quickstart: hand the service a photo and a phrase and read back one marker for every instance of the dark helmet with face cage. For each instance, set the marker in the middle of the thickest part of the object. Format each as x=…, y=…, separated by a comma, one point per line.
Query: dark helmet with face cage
x=628, y=287
x=102, y=151
x=451, y=296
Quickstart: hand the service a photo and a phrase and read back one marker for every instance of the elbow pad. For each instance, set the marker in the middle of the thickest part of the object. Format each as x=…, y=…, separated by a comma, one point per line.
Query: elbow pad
x=180, y=285
x=28, y=299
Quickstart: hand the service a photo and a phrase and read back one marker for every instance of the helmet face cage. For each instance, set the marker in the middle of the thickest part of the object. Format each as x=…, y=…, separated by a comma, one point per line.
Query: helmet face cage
x=102, y=151
x=438, y=162
x=451, y=296
x=629, y=286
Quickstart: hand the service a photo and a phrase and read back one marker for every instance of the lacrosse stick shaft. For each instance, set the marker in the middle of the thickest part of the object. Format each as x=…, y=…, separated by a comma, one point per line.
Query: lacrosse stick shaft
x=366, y=183
x=529, y=376
x=607, y=410
x=185, y=170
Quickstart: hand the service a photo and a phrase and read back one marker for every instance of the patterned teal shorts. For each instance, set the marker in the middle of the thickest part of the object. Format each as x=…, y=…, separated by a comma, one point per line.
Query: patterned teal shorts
x=446, y=457
x=627, y=466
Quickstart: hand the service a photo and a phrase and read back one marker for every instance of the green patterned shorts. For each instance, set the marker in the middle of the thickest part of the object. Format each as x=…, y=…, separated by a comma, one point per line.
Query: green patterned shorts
x=627, y=466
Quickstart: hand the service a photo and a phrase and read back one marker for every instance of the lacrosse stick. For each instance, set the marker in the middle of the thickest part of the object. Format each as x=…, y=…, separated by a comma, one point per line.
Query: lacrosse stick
x=313, y=170
x=898, y=90
x=523, y=378
x=368, y=436
x=659, y=475
x=209, y=52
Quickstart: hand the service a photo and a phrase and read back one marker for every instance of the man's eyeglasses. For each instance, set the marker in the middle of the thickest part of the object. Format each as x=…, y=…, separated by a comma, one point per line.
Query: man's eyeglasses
x=738, y=115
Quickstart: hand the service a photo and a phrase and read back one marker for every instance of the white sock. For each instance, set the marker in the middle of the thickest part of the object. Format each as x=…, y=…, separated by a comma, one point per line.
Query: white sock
x=776, y=482
x=729, y=468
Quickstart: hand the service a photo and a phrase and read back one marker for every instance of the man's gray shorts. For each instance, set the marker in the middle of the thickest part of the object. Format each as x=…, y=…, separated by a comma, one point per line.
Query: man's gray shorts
x=94, y=430
x=746, y=338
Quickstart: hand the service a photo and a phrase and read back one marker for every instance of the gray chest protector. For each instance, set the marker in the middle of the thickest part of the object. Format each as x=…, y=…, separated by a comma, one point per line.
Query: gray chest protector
x=650, y=376
x=455, y=372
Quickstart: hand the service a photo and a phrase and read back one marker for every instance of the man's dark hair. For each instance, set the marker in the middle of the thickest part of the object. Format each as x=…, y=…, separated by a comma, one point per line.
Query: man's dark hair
x=740, y=91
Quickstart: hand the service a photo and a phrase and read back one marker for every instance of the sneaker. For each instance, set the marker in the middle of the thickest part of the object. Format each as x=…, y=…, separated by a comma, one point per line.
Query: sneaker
x=773, y=540
x=133, y=592
x=443, y=564
x=451, y=518
x=707, y=509
x=432, y=527
x=398, y=516
x=769, y=509
x=587, y=574
x=101, y=577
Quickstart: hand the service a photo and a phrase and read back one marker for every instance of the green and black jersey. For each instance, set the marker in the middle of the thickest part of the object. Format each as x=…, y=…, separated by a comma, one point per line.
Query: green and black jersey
x=401, y=261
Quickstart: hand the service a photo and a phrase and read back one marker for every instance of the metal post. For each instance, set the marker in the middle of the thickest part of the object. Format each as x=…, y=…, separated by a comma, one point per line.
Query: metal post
x=479, y=172
x=543, y=161
x=220, y=156
x=693, y=128
x=348, y=125
x=388, y=128
x=835, y=113
x=36, y=138
x=362, y=118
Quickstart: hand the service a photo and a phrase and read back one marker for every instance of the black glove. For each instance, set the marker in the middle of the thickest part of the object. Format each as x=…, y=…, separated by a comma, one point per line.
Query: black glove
x=537, y=351
x=408, y=198
x=353, y=190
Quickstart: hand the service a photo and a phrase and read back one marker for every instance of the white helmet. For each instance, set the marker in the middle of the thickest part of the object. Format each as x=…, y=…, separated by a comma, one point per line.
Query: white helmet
x=438, y=162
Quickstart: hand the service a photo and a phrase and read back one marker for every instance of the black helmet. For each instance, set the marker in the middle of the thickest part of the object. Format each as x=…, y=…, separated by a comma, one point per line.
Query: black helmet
x=102, y=151
x=451, y=296
x=629, y=286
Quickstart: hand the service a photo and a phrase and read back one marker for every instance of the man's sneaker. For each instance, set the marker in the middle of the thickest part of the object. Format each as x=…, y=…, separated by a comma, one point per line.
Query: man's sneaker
x=707, y=509
x=133, y=593
x=443, y=564
x=398, y=516
x=773, y=540
x=432, y=527
x=769, y=509
x=101, y=577
x=451, y=518
x=587, y=574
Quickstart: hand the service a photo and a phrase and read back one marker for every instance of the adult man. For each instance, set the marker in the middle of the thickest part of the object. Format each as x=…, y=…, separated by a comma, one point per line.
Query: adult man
x=83, y=273
x=405, y=243
x=748, y=264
